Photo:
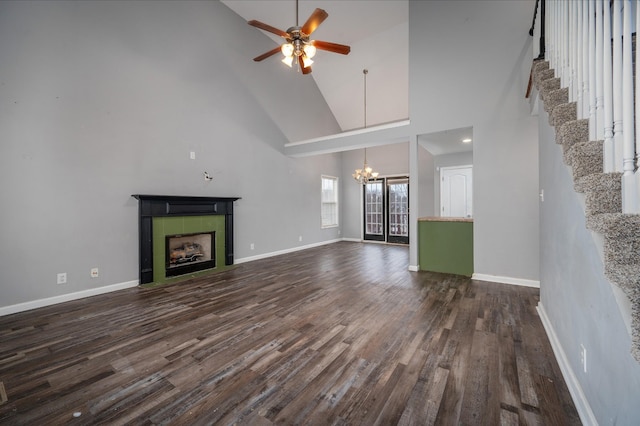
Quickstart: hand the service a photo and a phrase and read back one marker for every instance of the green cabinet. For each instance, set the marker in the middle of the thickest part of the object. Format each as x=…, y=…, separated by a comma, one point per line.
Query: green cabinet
x=446, y=245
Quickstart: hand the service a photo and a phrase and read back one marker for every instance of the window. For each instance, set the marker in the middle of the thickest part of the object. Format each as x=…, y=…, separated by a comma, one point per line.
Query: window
x=329, y=201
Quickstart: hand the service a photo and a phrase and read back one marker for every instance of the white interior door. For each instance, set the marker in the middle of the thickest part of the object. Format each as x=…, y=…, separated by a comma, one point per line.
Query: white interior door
x=456, y=191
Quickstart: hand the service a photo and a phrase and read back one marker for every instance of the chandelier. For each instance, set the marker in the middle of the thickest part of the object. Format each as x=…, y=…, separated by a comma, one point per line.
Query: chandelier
x=366, y=173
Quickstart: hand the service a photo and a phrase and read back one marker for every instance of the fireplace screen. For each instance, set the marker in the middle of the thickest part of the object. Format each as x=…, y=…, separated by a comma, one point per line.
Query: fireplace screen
x=187, y=253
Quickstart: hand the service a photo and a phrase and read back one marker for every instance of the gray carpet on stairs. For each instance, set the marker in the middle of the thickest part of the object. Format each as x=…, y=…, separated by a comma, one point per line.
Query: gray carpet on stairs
x=603, y=205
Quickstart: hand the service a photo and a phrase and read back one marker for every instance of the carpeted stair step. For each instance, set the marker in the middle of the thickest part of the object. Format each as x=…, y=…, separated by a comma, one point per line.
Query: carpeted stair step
x=621, y=248
x=598, y=202
x=599, y=182
x=548, y=86
x=622, y=252
x=540, y=70
x=572, y=132
x=562, y=113
x=585, y=158
x=625, y=276
x=602, y=193
x=544, y=74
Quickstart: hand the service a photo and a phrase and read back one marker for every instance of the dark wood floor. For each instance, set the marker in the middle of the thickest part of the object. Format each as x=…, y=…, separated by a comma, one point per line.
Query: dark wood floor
x=340, y=334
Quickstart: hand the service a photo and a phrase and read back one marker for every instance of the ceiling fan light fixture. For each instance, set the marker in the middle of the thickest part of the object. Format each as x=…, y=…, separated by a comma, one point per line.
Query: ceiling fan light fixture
x=288, y=60
x=309, y=50
x=287, y=49
x=306, y=61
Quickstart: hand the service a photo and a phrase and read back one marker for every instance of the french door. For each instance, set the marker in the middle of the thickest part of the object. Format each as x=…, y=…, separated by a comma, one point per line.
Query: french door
x=386, y=210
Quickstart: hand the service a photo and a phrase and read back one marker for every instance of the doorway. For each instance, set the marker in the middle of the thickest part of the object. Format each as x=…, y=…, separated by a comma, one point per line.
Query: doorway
x=386, y=210
x=456, y=191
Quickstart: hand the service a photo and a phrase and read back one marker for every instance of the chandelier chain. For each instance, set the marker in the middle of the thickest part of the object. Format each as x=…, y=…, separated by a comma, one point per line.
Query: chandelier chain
x=362, y=176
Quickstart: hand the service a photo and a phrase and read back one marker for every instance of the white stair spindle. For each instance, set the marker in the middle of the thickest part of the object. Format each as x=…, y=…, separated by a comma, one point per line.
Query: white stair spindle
x=617, y=85
x=553, y=63
x=592, y=71
x=609, y=152
x=629, y=190
x=637, y=97
x=585, y=61
x=572, y=51
x=599, y=72
x=567, y=46
x=579, y=53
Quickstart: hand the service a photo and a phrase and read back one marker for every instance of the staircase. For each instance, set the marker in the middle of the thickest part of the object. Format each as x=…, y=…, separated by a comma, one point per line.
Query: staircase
x=602, y=192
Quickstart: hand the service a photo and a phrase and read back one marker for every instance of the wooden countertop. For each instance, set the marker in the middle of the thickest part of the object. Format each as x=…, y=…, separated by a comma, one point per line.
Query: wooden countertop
x=444, y=219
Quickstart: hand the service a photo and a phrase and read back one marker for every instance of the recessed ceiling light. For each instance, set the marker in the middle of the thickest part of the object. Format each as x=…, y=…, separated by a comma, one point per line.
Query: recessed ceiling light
x=467, y=140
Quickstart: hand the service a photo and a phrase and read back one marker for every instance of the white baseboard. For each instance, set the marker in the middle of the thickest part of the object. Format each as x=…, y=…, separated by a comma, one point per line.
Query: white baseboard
x=33, y=304
x=353, y=240
x=579, y=399
x=506, y=280
x=414, y=268
x=279, y=252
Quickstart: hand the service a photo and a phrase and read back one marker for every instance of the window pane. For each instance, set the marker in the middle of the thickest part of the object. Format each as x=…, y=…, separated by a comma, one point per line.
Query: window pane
x=374, y=208
x=329, y=201
x=399, y=209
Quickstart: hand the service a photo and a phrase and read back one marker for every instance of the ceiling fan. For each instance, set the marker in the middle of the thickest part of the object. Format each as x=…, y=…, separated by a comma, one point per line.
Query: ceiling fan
x=298, y=46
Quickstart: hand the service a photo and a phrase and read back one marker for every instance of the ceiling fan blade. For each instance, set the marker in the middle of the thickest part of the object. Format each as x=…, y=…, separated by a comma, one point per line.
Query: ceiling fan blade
x=269, y=28
x=331, y=47
x=267, y=54
x=306, y=70
x=314, y=21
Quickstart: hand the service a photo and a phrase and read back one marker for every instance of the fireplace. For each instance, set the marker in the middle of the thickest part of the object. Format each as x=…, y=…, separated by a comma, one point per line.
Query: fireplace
x=180, y=235
x=189, y=253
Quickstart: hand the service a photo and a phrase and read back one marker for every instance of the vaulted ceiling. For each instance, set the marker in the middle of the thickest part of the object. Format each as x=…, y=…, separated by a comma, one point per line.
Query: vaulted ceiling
x=377, y=32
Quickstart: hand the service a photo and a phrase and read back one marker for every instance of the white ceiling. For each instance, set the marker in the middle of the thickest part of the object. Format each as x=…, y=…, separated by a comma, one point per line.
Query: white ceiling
x=378, y=33
x=448, y=141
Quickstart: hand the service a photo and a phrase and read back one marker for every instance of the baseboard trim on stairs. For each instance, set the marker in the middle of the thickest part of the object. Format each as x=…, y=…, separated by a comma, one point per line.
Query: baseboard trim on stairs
x=579, y=399
x=506, y=280
x=40, y=303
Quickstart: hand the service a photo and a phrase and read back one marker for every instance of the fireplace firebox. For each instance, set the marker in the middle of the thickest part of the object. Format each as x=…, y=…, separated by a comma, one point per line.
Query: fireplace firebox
x=177, y=234
x=189, y=253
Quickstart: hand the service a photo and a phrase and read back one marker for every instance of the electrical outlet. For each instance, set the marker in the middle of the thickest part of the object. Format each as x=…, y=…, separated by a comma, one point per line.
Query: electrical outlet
x=94, y=272
x=252, y=246
x=62, y=278
x=300, y=238
x=192, y=155
x=583, y=357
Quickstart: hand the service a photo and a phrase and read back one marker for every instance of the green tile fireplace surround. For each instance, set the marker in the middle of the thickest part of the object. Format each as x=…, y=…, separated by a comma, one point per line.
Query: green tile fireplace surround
x=180, y=225
x=445, y=244
x=162, y=216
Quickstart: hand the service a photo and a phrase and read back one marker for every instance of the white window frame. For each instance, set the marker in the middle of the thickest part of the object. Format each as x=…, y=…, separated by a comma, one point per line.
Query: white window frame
x=327, y=222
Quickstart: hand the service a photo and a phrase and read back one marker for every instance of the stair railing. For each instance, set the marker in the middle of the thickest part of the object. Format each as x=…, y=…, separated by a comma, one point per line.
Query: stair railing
x=589, y=45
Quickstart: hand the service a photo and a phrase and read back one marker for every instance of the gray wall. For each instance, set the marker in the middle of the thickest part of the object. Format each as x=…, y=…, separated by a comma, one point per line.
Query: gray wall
x=101, y=100
x=469, y=67
x=578, y=299
x=426, y=202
